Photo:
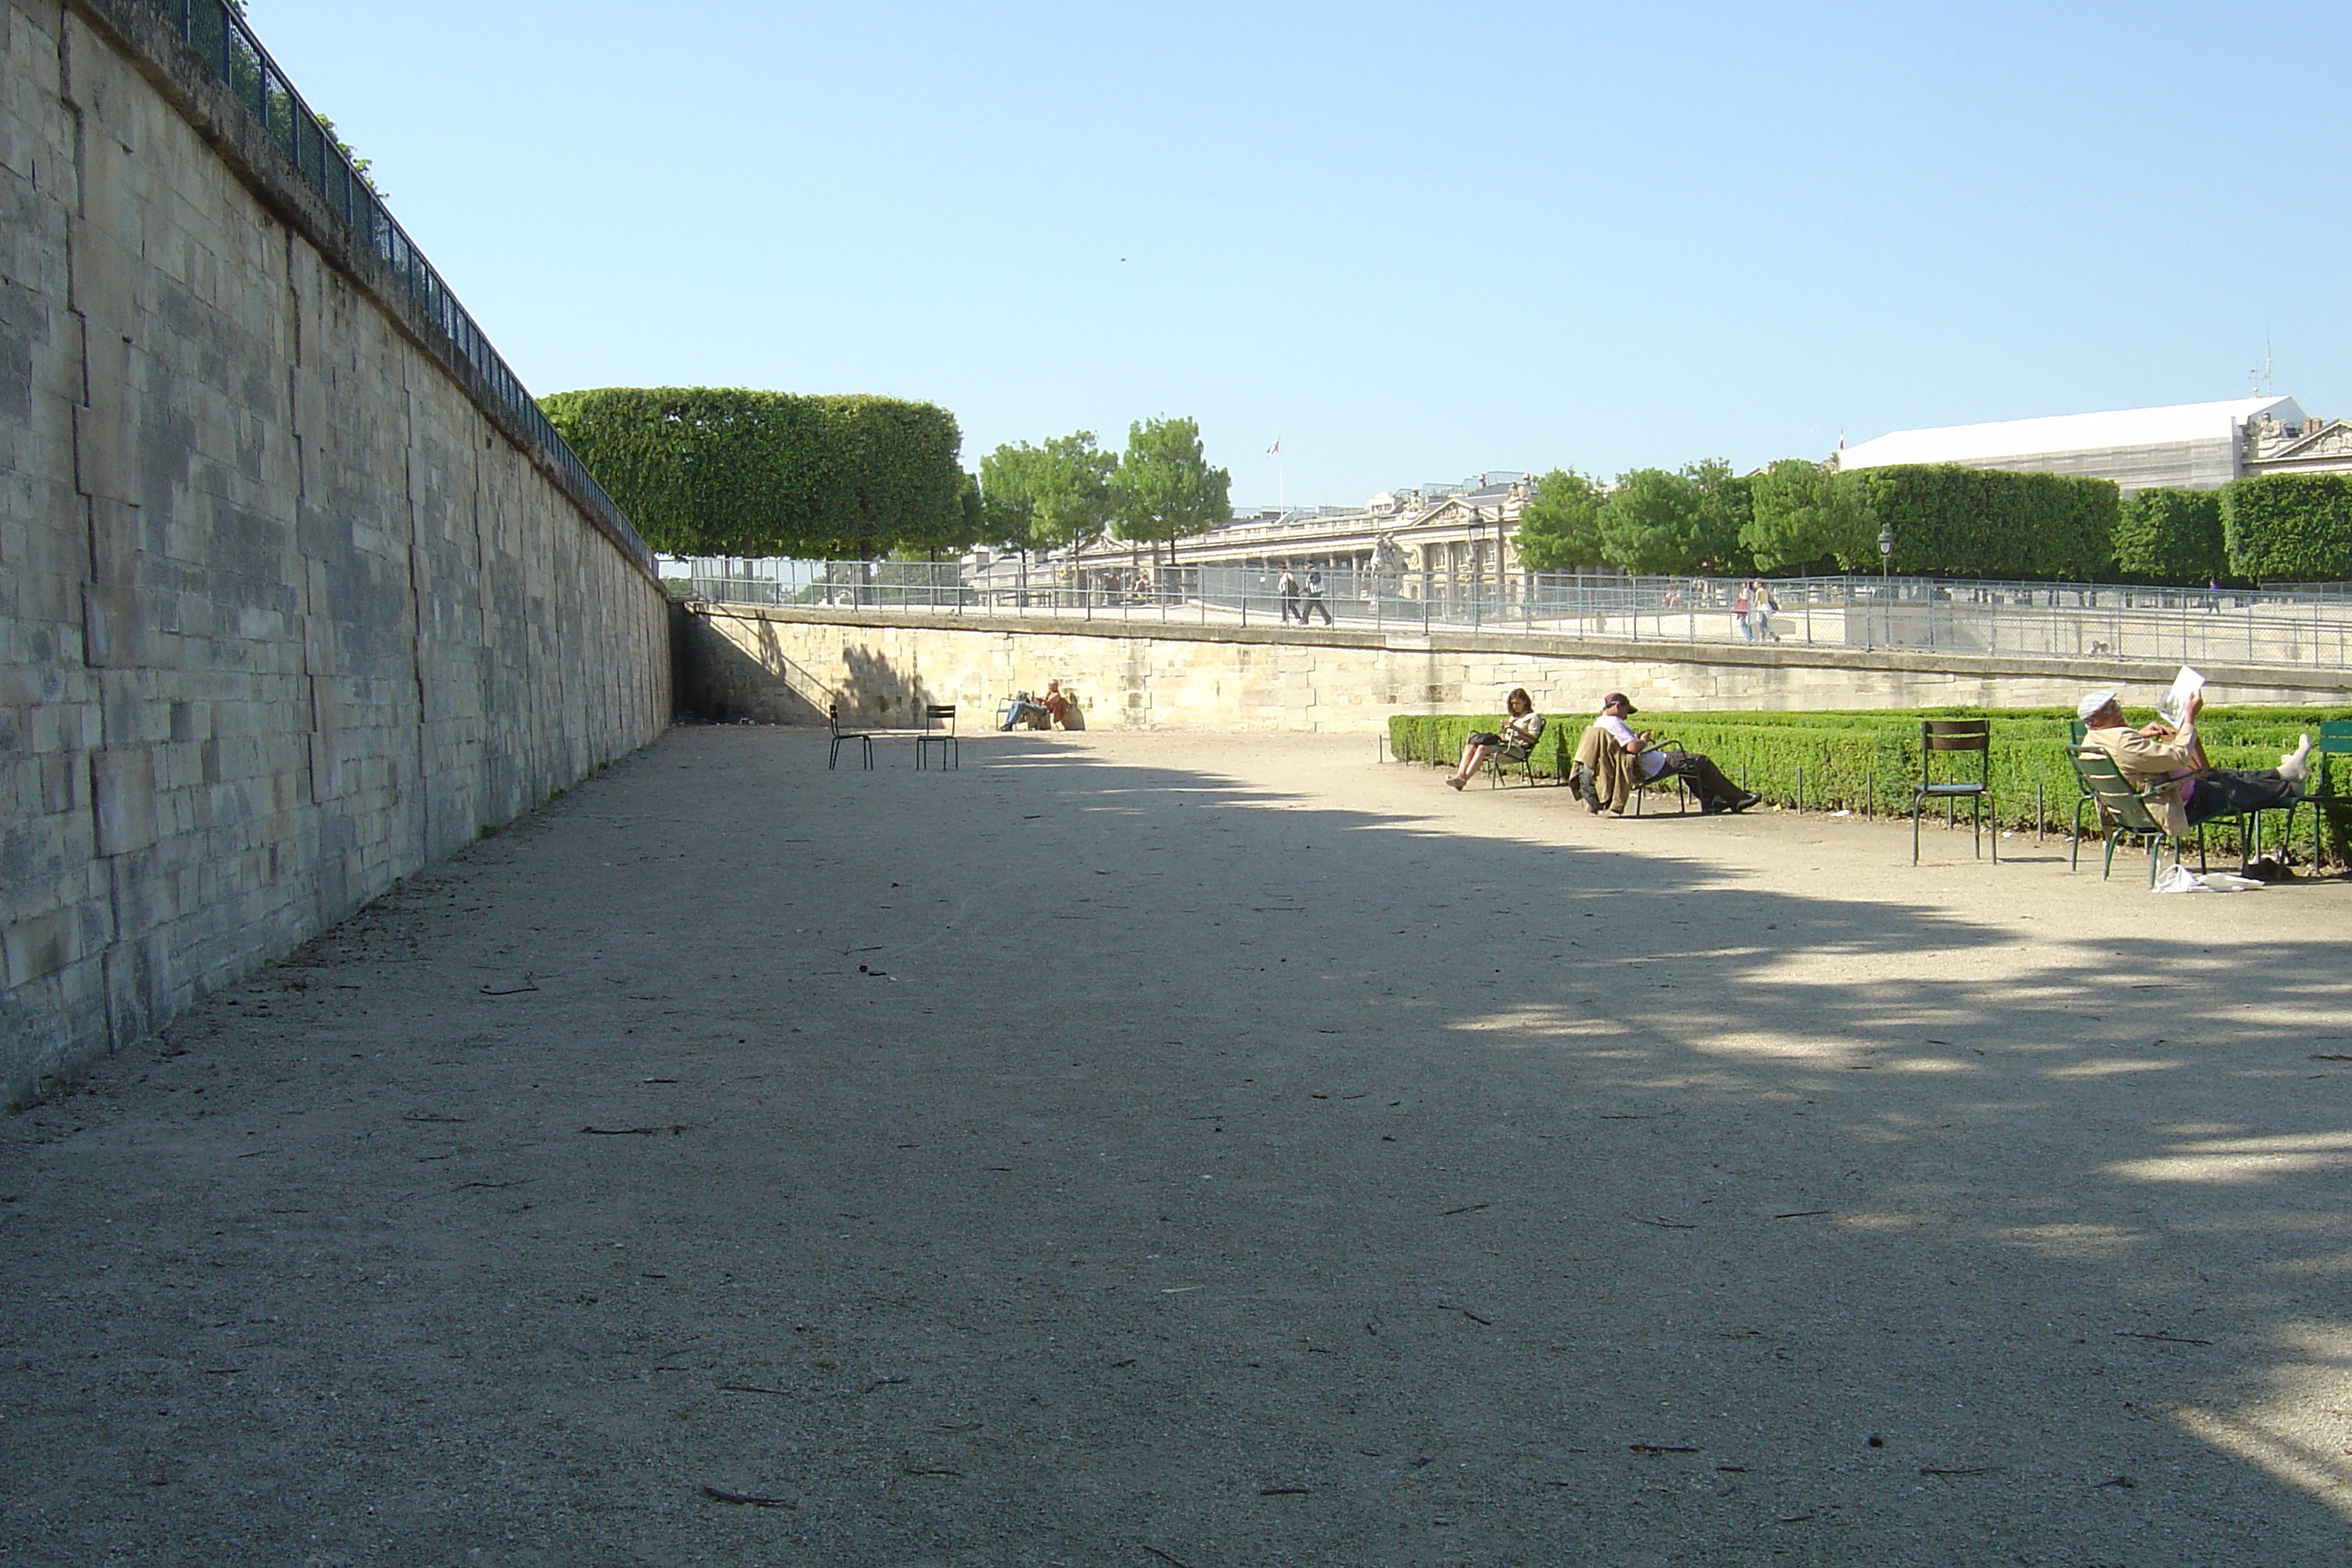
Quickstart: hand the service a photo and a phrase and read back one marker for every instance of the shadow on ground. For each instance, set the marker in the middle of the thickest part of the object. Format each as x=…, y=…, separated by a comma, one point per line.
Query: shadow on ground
x=1079, y=1158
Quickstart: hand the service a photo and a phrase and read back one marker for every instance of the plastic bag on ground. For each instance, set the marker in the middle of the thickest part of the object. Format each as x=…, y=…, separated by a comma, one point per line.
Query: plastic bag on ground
x=2181, y=879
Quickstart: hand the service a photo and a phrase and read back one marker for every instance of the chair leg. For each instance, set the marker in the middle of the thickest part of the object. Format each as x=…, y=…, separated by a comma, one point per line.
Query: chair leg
x=1916, y=803
x=2075, y=844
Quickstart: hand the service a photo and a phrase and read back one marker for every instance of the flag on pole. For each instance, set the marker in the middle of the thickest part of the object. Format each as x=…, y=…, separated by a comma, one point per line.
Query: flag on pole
x=1274, y=450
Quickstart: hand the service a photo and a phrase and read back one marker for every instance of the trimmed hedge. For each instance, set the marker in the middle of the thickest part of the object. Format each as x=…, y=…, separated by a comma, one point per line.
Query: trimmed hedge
x=1866, y=760
x=2170, y=536
x=1990, y=523
x=2289, y=527
x=714, y=471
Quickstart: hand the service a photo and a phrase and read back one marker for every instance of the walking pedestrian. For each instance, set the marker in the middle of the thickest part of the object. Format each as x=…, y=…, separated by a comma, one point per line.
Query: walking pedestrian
x=1288, y=586
x=1315, y=597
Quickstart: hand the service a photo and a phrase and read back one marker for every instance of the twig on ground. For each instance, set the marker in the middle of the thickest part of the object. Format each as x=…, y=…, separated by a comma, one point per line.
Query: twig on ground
x=749, y=1500
x=1663, y=1448
x=1465, y=1208
x=510, y=990
x=621, y=1131
x=2162, y=1338
x=1661, y=1224
x=1167, y=1557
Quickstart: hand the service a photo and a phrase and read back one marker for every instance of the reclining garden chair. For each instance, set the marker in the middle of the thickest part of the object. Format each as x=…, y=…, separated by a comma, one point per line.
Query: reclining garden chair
x=2124, y=811
x=2330, y=798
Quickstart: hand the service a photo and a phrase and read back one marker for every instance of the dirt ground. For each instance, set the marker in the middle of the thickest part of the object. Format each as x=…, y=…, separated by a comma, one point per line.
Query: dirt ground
x=1216, y=1150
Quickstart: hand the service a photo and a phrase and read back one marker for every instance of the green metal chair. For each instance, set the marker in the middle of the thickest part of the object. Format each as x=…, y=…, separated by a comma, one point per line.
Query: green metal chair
x=2124, y=811
x=1946, y=738
x=2075, y=731
x=939, y=730
x=2330, y=799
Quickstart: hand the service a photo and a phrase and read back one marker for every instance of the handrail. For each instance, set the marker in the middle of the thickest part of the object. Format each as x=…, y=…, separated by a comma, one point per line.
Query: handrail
x=230, y=49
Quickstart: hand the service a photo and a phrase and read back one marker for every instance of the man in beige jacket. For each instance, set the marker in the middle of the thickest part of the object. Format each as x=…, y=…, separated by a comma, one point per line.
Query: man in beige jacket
x=2158, y=754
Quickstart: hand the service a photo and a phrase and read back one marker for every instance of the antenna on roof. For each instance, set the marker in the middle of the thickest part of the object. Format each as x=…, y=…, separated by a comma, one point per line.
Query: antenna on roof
x=2261, y=373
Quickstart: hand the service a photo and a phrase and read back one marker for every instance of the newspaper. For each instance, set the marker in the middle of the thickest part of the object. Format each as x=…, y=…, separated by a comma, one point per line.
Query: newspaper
x=2173, y=707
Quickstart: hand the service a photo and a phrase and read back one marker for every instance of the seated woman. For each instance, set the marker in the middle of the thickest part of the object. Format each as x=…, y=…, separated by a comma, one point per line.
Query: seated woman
x=1517, y=738
x=1058, y=703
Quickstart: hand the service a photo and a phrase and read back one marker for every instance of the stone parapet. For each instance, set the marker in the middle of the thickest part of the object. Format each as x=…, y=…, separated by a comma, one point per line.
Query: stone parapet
x=785, y=664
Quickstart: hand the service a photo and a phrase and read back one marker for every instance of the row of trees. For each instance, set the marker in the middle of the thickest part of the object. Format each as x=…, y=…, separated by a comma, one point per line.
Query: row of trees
x=1070, y=492
x=1795, y=516
x=730, y=472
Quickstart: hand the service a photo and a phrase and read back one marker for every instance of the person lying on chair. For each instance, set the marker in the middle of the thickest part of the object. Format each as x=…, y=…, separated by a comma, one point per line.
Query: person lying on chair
x=2158, y=757
x=1715, y=792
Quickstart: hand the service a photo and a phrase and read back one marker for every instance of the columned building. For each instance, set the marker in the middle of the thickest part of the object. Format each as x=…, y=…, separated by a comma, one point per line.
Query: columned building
x=1467, y=531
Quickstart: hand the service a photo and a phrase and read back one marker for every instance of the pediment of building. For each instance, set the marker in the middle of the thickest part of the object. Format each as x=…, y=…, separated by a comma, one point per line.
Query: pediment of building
x=2332, y=440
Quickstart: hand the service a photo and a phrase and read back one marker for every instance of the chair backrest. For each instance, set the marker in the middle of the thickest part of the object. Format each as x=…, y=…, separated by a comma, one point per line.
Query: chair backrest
x=1955, y=735
x=939, y=713
x=2075, y=731
x=2121, y=804
x=2334, y=740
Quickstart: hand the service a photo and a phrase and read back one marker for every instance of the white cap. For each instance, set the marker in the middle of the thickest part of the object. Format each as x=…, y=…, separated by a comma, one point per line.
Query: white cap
x=2091, y=702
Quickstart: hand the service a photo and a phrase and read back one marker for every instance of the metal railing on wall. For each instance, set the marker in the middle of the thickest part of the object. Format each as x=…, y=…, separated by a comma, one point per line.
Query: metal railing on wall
x=231, y=52
x=2282, y=626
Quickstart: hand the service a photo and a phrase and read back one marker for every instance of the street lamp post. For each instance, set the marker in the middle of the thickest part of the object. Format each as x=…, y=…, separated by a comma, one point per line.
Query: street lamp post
x=1886, y=575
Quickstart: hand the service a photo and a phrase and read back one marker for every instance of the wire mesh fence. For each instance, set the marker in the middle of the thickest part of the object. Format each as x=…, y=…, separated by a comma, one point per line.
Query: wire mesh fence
x=2304, y=627
x=231, y=52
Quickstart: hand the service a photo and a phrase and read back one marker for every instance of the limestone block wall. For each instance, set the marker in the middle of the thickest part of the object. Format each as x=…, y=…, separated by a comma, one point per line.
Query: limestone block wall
x=286, y=610
x=784, y=665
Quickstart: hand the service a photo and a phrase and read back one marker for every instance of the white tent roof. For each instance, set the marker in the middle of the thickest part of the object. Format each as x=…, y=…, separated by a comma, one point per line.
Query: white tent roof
x=2070, y=433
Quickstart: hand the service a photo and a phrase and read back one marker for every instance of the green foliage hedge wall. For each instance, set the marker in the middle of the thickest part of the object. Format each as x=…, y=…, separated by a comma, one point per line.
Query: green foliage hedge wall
x=2170, y=536
x=1988, y=522
x=2289, y=527
x=730, y=472
x=1865, y=761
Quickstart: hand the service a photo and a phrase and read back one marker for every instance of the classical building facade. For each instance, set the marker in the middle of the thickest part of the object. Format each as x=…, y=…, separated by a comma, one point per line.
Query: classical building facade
x=1465, y=531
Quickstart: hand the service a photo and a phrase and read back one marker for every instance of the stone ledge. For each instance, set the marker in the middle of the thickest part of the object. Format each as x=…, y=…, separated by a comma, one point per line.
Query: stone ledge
x=1734, y=655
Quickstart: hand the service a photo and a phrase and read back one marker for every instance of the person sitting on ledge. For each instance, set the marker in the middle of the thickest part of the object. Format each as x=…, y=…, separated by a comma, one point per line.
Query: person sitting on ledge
x=1605, y=761
x=1057, y=703
x=1517, y=737
x=2158, y=757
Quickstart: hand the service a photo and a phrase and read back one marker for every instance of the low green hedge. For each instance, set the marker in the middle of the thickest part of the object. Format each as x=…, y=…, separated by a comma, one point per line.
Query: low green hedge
x=1866, y=760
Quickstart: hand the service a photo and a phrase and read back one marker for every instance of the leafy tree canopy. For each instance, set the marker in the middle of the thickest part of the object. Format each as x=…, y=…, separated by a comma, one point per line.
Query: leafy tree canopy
x=1044, y=497
x=1164, y=487
x=1559, y=527
x=732, y=471
x=1657, y=522
x=1801, y=514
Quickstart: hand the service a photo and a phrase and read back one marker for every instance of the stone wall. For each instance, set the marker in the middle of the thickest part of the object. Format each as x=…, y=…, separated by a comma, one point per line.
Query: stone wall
x=785, y=665
x=288, y=605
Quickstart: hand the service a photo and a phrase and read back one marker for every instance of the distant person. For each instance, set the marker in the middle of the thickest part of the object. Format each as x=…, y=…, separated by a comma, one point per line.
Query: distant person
x=1288, y=586
x=1024, y=709
x=1520, y=731
x=1740, y=613
x=1763, y=607
x=1715, y=792
x=1315, y=604
x=2172, y=762
x=1057, y=703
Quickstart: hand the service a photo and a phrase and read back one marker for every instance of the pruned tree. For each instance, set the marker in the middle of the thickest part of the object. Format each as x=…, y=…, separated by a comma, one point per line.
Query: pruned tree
x=1559, y=527
x=1164, y=487
x=733, y=471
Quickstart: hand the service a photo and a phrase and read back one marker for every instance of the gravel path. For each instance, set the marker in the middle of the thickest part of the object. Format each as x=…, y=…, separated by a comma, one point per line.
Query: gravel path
x=1217, y=1150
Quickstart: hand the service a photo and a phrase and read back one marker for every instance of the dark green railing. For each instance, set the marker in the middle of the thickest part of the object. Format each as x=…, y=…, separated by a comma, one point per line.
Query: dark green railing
x=230, y=51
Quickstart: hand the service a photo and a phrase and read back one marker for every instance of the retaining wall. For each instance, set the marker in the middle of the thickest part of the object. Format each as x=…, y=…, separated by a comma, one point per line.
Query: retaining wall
x=288, y=605
x=784, y=665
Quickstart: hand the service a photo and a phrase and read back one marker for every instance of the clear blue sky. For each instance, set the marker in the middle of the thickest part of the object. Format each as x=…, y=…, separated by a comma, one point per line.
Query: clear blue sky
x=1413, y=241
